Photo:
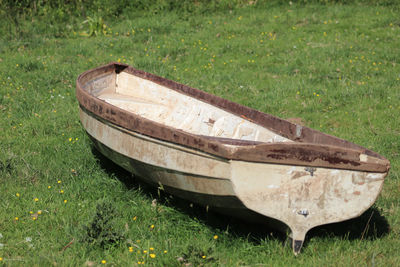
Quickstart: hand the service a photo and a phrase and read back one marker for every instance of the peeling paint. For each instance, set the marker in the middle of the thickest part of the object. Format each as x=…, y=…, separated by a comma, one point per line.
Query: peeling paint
x=299, y=130
x=374, y=176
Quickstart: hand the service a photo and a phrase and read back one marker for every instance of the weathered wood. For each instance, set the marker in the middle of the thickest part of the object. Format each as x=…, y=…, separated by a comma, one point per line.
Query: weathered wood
x=221, y=154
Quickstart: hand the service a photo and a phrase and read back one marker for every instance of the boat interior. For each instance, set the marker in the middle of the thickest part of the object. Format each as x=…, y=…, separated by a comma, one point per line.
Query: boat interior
x=169, y=107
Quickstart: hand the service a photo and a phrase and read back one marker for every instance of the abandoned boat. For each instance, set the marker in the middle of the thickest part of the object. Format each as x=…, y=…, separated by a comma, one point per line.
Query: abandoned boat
x=224, y=155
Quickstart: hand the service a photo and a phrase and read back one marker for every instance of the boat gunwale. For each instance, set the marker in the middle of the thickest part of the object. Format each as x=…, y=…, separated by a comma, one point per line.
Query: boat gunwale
x=321, y=150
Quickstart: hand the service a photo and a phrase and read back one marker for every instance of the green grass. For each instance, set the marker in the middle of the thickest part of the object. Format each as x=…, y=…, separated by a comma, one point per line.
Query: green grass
x=337, y=67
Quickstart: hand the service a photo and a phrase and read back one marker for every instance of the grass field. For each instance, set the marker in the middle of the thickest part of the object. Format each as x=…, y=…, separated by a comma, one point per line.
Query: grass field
x=335, y=66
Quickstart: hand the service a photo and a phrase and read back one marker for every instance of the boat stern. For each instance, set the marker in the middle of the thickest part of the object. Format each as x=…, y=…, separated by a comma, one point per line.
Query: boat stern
x=304, y=197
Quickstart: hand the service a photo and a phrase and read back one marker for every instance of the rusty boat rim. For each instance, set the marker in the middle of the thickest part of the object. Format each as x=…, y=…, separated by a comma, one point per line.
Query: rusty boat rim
x=309, y=147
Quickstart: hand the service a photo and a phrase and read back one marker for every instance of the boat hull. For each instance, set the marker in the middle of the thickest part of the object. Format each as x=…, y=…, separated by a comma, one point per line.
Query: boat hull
x=294, y=197
x=224, y=155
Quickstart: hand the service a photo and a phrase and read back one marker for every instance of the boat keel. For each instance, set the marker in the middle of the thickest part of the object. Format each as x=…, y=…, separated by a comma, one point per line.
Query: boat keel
x=297, y=245
x=297, y=238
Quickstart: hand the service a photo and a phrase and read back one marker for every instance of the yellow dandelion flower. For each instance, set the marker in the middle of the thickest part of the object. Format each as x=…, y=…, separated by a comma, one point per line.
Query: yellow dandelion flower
x=134, y=218
x=39, y=212
x=49, y=187
x=152, y=255
x=144, y=251
x=103, y=261
x=203, y=256
x=65, y=201
x=165, y=252
x=16, y=218
x=215, y=237
x=36, y=199
x=61, y=191
x=17, y=194
x=59, y=181
x=152, y=226
x=34, y=218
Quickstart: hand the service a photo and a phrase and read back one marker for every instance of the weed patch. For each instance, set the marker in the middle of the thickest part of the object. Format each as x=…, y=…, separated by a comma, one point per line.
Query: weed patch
x=102, y=230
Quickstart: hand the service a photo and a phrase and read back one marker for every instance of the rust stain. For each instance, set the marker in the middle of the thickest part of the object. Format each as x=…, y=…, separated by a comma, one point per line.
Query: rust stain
x=357, y=193
x=356, y=179
x=246, y=118
x=337, y=192
x=299, y=174
x=336, y=158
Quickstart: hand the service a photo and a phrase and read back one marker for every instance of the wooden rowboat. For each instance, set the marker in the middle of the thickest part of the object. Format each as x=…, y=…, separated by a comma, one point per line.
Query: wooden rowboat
x=224, y=155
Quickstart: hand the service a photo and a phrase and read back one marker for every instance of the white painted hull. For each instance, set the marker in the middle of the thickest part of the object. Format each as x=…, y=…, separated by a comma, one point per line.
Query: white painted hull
x=295, y=195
